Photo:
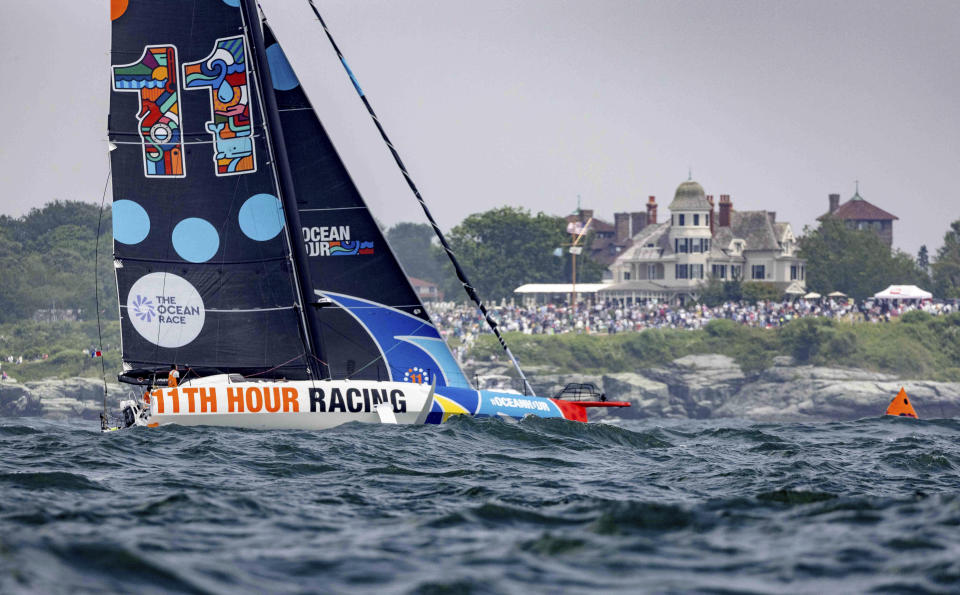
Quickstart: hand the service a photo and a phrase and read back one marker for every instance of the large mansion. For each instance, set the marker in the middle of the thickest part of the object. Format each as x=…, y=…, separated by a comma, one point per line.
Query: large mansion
x=671, y=260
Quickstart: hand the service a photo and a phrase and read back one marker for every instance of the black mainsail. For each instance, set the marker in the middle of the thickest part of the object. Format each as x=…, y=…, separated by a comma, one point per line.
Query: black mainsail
x=205, y=273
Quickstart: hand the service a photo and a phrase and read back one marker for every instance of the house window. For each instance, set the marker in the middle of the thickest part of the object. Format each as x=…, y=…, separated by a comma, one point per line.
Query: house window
x=736, y=271
x=696, y=219
x=758, y=271
x=803, y=272
x=696, y=271
x=719, y=271
x=681, y=271
x=680, y=217
x=653, y=273
x=626, y=275
x=794, y=272
x=696, y=245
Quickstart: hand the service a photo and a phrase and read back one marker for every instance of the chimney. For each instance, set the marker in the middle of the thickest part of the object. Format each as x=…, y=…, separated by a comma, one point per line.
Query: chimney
x=638, y=220
x=772, y=216
x=585, y=215
x=712, y=216
x=651, y=210
x=725, y=207
x=834, y=202
x=621, y=223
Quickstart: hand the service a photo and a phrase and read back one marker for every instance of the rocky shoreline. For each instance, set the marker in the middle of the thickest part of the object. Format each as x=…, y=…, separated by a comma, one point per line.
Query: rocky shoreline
x=70, y=398
x=695, y=386
x=711, y=386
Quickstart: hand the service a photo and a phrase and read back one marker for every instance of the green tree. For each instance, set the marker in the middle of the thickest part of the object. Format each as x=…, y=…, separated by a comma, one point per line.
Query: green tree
x=413, y=243
x=715, y=291
x=923, y=259
x=946, y=269
x=855, y=262
x=504, y=248
x=47, y=260
x=754, y=291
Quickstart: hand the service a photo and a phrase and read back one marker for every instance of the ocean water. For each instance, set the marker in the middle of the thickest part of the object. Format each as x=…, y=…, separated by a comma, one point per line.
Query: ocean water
x=483, y=506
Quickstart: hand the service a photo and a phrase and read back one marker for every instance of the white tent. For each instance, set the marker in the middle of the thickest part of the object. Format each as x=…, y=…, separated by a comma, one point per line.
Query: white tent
x=903, y=292
x=836, y=294
x=795, y=289
x=813, y=295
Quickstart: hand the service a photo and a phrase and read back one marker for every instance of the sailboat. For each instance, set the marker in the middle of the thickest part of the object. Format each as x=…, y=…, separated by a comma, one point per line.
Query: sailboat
x=245, y=255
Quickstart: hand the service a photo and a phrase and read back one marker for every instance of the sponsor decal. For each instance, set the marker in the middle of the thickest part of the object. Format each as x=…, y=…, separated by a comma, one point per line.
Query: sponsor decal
x=165, y=309
x=223, y=74
x=154, y=77
x=514, y=403
x=271, y=398
x=355, y=400
x=333, y=240
x=416, y=374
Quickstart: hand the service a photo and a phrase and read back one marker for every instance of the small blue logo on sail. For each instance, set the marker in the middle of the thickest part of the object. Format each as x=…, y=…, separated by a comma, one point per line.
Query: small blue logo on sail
x=333, y=240
x=143, y=308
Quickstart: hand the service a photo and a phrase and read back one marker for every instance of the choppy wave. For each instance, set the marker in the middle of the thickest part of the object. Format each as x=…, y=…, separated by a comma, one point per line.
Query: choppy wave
x=483, y=506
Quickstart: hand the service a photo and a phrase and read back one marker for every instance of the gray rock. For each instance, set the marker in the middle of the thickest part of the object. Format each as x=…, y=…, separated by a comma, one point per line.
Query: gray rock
x=700, y=384
x=17, y=401
x=808, y=393
x=647, y=397
x=61, y=398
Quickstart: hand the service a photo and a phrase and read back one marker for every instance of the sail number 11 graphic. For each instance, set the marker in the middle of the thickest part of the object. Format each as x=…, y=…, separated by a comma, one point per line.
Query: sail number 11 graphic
x=223, y=74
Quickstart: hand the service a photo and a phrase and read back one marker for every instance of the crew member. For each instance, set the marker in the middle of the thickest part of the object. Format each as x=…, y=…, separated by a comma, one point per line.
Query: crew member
x=173, y=377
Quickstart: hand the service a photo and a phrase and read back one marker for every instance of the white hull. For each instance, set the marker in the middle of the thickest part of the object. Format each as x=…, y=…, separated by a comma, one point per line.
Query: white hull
x=305, y=405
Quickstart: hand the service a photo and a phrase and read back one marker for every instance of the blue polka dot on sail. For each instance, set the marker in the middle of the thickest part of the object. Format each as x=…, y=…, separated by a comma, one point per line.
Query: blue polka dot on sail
x=195, y=240
x=131, y=224
x=233, y=3
x=261, y=217
x=282, y=74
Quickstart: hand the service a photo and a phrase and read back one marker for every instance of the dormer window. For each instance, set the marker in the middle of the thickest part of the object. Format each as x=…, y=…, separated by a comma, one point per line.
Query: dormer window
x=696, y=219
x=680, y=218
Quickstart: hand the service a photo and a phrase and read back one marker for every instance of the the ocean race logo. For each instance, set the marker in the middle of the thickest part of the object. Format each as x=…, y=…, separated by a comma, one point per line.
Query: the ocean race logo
x=333, y=240
x=165, y=309
x=142, y=308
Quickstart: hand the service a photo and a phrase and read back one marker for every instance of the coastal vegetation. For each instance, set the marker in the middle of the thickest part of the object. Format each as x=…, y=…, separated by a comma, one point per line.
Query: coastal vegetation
x=58, y=349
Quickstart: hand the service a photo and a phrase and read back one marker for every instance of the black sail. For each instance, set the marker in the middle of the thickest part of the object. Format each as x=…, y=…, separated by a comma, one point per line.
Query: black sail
x=374, y=326
x=201, y=243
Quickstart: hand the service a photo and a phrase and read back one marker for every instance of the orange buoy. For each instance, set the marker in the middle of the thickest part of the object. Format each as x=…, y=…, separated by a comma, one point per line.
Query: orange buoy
x=901, y=407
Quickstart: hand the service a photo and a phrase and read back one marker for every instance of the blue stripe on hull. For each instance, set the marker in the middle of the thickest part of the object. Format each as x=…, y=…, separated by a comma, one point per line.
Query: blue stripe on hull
x=458, y=401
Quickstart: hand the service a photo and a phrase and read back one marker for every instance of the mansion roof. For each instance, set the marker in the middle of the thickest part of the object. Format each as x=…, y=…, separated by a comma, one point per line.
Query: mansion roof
x=859, y=209
x=755, y=228
x=689, y=196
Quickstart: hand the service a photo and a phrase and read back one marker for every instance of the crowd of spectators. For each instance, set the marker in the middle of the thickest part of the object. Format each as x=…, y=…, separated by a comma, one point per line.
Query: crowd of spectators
x=465, y=323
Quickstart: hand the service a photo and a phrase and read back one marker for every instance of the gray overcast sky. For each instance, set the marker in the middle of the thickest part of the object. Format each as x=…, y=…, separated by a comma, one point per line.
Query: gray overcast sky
x=531, y=103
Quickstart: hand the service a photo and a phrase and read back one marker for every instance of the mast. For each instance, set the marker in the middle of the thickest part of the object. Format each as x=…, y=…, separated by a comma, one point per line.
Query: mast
x=461, y=274
x=287, y=193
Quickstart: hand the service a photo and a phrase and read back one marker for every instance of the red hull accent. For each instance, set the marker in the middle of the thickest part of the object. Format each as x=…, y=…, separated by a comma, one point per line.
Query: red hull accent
x=577, y=410
x=571, y=410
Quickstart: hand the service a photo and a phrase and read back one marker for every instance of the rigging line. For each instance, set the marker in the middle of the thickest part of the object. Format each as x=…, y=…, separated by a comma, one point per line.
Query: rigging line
x=294, y=358
x=96, y=285
x=461, y=275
